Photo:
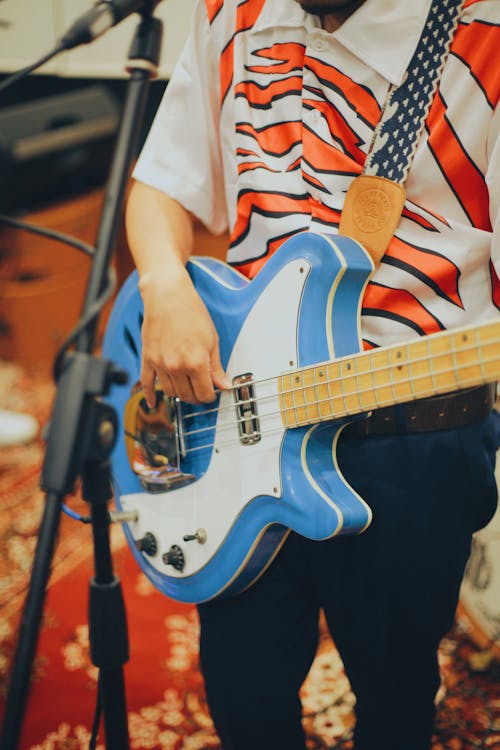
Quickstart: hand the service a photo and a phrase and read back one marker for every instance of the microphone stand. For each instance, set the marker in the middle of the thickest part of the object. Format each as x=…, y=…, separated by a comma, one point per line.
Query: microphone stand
x=81, y=438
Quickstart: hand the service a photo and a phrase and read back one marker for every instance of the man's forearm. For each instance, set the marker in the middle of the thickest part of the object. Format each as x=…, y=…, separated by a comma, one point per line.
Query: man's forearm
x=159, y=231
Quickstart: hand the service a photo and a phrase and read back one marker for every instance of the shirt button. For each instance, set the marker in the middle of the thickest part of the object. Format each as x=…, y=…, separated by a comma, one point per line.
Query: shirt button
x=314, y=115
x=315, y=194
x=319, y=44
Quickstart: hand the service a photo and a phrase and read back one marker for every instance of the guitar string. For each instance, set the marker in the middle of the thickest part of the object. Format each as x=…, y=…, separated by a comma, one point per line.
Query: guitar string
x=305, y=423
x=333, y=381
x=346, y=360
x=343, y=396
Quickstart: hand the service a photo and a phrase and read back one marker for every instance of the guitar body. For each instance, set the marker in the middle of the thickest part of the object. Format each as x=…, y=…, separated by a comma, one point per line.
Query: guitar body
x=301, y=309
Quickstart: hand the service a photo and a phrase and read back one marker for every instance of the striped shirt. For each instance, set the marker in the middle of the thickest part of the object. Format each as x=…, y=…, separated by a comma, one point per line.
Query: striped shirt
x=268, y=118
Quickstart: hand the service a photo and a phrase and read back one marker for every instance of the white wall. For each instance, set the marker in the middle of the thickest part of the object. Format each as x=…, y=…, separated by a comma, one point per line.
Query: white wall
x=30, y=28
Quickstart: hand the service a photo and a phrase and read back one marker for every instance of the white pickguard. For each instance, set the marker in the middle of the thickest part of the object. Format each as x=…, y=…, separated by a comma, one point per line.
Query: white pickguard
x=266, y=346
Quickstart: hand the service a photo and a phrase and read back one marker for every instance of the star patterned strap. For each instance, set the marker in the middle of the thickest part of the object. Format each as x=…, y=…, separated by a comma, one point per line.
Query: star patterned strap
x=407, y=106
x=375, y=199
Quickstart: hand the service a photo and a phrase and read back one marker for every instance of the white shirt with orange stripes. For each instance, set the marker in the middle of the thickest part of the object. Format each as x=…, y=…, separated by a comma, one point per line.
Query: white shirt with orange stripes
x=268, y=118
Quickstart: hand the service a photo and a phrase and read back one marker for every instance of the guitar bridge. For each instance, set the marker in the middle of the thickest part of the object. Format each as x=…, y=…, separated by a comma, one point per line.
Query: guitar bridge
x=246, y=409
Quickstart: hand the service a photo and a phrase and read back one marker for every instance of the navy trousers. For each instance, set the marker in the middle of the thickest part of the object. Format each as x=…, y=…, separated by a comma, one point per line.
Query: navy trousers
x=389, y=595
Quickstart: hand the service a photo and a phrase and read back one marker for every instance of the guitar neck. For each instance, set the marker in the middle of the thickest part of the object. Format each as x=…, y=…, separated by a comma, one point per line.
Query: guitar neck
x=429, y=366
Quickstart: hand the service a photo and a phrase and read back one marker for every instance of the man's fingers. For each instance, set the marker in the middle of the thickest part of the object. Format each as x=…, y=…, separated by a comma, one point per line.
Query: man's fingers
x=183, y=389
x=148, y=378
x=219, y=377
x=203, y=388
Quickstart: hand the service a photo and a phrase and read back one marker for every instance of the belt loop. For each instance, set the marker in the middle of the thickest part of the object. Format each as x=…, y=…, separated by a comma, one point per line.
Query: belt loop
x=400, y=420
x=362, y=426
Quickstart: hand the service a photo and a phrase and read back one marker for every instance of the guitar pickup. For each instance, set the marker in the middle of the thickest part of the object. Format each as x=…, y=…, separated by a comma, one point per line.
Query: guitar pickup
x=246, y=409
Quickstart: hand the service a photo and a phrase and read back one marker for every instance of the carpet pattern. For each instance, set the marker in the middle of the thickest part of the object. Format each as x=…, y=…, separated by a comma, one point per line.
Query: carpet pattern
x=165, y=696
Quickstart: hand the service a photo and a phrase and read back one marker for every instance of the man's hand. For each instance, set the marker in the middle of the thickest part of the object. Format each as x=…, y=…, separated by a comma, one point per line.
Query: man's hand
x=179, y=340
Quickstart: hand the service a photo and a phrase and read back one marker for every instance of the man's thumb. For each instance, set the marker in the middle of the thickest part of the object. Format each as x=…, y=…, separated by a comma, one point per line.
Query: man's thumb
x=219, y=377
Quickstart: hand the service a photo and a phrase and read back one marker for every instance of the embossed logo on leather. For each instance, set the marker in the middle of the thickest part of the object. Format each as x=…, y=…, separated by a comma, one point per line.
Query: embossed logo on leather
x=371, y=210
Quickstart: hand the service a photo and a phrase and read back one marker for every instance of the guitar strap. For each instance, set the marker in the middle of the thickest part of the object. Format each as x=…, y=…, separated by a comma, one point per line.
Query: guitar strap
x=375, y=199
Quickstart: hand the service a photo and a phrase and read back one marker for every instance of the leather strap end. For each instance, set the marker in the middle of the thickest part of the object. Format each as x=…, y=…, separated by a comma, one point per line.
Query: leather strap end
x=371, y=213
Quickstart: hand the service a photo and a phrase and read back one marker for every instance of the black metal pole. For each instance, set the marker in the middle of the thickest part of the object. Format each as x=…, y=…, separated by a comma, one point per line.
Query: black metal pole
x=80, y=440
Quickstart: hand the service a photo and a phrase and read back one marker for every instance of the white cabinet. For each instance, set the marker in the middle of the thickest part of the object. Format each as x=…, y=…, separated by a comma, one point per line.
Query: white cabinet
x=26, y=33
x=30, y=28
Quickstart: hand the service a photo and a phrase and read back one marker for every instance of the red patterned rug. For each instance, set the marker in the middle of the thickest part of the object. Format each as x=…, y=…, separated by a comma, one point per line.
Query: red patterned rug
x=165, y=696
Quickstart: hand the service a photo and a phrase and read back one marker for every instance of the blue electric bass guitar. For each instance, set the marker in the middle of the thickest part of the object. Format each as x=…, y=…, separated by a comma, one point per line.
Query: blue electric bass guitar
x=211, y=491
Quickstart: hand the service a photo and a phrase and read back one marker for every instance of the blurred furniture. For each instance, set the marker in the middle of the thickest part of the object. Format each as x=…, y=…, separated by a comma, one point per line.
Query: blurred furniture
x=43, y=282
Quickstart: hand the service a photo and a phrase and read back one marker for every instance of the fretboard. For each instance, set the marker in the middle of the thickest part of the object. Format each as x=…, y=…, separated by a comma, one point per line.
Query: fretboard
x=428, y=366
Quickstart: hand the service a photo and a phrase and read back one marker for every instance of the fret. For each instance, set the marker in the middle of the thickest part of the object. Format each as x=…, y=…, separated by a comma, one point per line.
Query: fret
x=328, y=382
x=376, y=395
x=317, y=398
x=357, y=388
x=421, y=371
x=379, y=359
x=468, y=366
x=284, y=388
x=336, y=390
x=343, y=392
x=410, y=372
x=391, y=383
x=350, y=382
x=456, y=365
x=325, y=401
x=399, y=376
x=431, y=368
x=299, y=412
x=479, y=356
x=430, y=365
x=287, y=401
x=490, y=347
x=364, y=383
x=289, y=393
x=310, y=396
x=342, y=408
x=305, y=395
x=445, y=376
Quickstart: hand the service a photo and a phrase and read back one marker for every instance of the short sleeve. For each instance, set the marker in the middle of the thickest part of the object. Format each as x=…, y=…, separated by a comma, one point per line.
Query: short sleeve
x=493, y=183
x=181, y=155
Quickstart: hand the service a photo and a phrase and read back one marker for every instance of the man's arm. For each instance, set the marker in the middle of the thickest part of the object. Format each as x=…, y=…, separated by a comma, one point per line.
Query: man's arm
x=180, y=345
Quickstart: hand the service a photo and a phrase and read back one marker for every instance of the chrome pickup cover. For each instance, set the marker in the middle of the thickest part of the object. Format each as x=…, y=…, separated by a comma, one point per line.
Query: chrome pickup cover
x=246, y=409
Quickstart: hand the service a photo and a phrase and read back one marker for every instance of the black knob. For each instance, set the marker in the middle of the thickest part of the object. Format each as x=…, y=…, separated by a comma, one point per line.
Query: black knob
x=147, y=544
x=118, y=376
x=174, y=557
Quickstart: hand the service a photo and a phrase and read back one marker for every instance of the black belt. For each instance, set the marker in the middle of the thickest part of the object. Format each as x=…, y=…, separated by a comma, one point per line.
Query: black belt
x=437, y=413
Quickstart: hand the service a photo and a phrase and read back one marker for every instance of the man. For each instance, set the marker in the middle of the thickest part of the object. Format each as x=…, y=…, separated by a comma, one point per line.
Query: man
x=265, y=123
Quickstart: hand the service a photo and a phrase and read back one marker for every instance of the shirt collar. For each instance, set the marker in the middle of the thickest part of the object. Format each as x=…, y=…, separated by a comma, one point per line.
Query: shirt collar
x=382, y=33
